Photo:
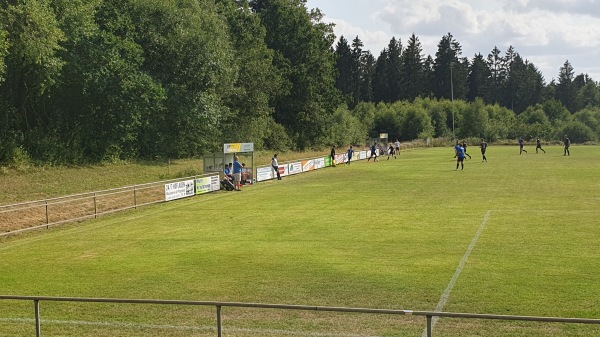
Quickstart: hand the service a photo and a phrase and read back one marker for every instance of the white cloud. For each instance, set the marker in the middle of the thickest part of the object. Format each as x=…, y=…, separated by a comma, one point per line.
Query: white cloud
x=371, y=39
x=546, y=32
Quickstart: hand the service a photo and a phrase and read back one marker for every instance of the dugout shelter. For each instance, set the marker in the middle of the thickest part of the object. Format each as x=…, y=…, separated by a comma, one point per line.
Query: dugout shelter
x=215, y=162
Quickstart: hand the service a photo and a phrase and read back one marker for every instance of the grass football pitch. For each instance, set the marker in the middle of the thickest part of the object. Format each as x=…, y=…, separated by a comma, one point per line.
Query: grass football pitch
x=518, y=235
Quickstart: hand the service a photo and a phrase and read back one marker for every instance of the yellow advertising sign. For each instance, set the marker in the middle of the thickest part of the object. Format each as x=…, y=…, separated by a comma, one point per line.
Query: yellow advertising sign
x=232, y=148
x=238, y=147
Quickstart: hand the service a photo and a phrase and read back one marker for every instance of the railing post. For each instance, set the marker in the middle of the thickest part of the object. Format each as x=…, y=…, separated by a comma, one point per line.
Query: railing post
x=134, y=198
x=429, y=326
x=38, y=326
x=47, y=217
x=95, y=206
x=219, y=322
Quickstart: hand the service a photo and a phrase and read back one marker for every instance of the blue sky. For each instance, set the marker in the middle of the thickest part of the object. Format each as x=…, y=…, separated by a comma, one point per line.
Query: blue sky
x=545, y=32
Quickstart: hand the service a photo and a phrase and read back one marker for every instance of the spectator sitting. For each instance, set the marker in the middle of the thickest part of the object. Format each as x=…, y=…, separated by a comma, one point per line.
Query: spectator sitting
x=244, y=174
x=227, y=173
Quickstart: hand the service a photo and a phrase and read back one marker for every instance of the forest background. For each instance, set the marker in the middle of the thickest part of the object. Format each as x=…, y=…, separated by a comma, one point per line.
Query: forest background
x=85, y=81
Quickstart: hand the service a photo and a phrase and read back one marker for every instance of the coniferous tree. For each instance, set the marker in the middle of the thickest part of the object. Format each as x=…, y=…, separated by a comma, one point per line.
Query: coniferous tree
x=381, y=81
x=412, y=73
x=508, y=89
x=589, y=95
x=345, y=66
x=580, y=81
x=393, y=70
x=357, y=53
x=367, y=73
x=478, y=79
x=428, y=75
x=532, y=86
x=449, y=70
x=497, y=77
x=566, y=92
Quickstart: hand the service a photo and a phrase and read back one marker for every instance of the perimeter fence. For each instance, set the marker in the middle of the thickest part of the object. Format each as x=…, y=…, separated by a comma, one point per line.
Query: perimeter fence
x=31, y=215
x=430, y=316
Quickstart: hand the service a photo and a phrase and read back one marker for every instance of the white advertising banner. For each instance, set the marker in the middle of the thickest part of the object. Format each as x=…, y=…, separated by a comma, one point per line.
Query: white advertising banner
x=365, y=154
x=284, y=170
x=319, y=163
x=207, y=184
x=308, y=165
x=178, y=190
x=264, y=173
x=295, y=168
x=215, y=181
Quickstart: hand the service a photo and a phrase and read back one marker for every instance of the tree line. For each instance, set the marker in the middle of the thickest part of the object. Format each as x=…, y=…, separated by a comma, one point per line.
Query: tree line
x=103, y=80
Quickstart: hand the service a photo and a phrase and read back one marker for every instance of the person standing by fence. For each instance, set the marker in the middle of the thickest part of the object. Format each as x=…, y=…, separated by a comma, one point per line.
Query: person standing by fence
x=275, y=166
x=333, y=156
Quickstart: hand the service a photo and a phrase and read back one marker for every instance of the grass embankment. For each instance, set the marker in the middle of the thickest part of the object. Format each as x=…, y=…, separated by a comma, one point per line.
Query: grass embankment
x=381, y=235
x=28, y=183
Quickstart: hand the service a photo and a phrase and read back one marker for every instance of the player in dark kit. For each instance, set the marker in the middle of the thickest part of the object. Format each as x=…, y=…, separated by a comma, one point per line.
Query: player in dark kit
x=567, y=143
x=373, y=153
x=483, y=147
x=538, y=146
x=349, y=154
x=391, y=152
x=464, y=145
x=521, y=145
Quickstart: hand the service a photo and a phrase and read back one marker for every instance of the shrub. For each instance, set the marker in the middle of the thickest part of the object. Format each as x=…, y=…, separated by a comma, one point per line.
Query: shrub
x=577, y=132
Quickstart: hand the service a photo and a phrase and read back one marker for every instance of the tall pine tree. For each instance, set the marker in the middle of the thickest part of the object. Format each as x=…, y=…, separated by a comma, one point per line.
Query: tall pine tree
x=412, y=72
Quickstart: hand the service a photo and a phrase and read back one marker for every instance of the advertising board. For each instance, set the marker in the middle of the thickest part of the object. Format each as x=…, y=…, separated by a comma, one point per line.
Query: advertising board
x=264, y=173
x=308, y=165
x=207, y=184
x=295, y=168
x=320, y=163
x=178, y=190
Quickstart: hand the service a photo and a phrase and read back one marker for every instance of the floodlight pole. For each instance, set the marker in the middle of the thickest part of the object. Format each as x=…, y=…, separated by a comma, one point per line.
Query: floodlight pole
x=452, y=97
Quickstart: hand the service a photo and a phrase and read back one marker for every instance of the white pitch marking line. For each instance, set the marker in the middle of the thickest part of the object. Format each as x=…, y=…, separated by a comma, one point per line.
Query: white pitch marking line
x=182, y=328
x=444, y=299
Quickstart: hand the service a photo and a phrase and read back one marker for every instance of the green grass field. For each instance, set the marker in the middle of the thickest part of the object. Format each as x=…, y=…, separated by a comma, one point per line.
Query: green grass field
x=388, y=235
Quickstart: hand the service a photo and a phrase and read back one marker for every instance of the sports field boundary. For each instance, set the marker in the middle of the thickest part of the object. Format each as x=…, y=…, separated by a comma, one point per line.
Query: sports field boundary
x=429, y=315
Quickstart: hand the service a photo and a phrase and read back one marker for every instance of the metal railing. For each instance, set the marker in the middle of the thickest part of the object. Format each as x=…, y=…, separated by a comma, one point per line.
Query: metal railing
x=31, y=215
x=429, y=315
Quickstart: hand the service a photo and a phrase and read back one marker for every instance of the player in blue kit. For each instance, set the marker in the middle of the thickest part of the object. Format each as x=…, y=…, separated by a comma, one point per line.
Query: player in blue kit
x=460, y=156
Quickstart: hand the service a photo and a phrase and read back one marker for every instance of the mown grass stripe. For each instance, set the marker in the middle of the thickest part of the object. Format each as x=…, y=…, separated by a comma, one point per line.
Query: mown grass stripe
x=446, y=295
x=180, y=327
